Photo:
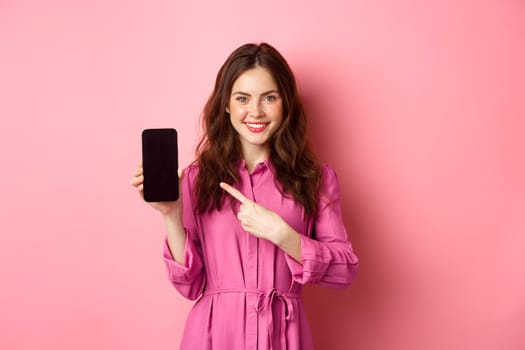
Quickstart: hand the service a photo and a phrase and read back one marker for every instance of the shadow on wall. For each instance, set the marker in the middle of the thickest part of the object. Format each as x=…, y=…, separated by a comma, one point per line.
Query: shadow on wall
x=350, y=318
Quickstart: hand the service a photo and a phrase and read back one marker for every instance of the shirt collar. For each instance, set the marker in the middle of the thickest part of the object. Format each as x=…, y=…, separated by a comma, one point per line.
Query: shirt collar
x=265, y=164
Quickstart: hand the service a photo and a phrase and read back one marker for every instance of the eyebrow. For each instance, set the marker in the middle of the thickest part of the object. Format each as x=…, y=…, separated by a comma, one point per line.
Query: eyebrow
x=247, y=94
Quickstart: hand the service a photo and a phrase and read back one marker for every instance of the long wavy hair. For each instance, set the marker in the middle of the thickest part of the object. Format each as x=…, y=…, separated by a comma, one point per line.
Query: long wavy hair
x=219, y=151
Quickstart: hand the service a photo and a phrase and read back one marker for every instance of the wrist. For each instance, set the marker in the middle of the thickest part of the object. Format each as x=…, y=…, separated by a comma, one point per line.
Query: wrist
x=282, y=234
x=289, y=241
x=173, y=215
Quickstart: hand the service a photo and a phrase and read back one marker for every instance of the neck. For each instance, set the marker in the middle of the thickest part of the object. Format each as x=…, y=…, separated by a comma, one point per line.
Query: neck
x=255, y=155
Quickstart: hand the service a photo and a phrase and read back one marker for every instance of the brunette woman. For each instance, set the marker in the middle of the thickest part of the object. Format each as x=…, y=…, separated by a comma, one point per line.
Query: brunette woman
x=259, y=215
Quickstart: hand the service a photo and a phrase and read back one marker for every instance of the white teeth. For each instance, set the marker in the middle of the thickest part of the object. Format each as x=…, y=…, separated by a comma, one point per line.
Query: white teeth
x=256, y=126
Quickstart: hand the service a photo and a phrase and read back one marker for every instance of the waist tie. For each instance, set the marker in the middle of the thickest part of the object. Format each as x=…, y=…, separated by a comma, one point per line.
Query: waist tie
x=265, y=300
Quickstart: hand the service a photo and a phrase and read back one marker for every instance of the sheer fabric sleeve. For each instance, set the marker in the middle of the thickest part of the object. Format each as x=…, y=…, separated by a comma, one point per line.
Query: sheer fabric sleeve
x=328, y=258
x=188, y=279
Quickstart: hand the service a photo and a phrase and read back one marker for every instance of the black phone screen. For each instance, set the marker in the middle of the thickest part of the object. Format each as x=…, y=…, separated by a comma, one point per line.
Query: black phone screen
x=160, y=164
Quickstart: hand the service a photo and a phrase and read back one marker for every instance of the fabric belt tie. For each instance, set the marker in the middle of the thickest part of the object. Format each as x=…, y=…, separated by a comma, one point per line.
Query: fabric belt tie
x=265, y=301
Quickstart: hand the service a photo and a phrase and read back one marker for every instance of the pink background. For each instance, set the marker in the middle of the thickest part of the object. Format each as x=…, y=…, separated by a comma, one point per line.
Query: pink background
x=418, y=105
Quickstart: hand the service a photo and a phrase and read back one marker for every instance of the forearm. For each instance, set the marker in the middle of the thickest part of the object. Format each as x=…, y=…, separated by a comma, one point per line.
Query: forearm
x=289, y=241
x=176, y=235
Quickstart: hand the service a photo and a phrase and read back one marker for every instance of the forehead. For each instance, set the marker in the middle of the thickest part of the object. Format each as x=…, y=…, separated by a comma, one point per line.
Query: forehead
x=255, y=79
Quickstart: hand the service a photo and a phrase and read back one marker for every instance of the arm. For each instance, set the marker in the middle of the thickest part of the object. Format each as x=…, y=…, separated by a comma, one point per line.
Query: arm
x=176, y=235
x=329, y=258
x=182, y=253
x=182, y=249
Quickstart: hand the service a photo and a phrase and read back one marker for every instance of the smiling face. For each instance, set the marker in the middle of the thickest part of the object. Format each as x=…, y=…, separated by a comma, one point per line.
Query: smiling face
x=256, y=110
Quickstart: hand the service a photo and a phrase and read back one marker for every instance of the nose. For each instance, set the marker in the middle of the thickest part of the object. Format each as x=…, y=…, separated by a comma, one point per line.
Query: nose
x=256, y=109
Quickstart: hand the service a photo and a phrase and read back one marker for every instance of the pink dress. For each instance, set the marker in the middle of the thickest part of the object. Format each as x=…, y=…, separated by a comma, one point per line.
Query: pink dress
x=248, y=290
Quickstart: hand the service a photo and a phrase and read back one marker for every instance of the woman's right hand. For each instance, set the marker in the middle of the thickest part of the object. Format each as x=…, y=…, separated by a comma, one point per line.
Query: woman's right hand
x=165, y=208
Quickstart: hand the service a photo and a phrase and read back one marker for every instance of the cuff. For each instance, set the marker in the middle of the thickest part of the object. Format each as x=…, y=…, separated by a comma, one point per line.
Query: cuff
x=183, y=273
x=316, y=259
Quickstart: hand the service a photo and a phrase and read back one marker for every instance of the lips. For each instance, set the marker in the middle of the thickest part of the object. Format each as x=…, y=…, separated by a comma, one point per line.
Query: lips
x=256, y=127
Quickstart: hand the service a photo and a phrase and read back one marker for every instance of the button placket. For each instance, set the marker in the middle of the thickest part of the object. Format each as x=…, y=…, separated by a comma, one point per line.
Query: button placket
x=252, y=275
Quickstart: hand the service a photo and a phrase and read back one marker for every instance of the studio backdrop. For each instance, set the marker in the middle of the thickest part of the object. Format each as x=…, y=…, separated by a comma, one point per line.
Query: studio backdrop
x=417, y=105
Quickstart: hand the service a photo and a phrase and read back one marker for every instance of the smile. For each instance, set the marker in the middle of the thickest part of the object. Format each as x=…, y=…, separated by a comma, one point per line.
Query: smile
x=257, y=127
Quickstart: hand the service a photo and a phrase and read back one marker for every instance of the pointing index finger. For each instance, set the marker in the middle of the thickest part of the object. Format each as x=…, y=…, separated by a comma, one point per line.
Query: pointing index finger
x=234, y=193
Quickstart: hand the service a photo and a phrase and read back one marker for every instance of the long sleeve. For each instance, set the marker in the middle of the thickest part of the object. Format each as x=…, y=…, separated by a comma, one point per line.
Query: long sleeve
x=328, y=258
x=188, y=279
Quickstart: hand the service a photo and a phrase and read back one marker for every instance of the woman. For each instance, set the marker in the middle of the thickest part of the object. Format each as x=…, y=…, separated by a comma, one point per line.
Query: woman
x=259, y=216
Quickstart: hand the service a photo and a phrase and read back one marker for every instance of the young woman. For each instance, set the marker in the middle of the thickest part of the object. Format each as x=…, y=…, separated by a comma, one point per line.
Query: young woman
x=258, y=215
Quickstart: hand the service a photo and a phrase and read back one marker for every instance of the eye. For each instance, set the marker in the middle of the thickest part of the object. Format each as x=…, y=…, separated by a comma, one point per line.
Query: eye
x=241, y=99
x=270, y=98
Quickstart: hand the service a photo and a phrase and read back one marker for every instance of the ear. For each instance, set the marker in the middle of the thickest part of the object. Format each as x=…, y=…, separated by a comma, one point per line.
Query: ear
x=227, y=109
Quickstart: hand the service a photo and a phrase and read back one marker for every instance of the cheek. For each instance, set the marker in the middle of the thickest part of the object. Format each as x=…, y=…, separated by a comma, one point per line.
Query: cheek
x=236, y=116
x=237, y=111
x=277, y=112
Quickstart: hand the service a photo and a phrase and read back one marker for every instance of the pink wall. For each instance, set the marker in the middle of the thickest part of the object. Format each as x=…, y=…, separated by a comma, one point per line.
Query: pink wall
x=419, y=106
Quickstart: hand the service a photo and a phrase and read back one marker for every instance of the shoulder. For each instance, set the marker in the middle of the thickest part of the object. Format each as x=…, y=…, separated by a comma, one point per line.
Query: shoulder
x=329, y=190
x=190, y=173
x=192, y=169
x=328, y=174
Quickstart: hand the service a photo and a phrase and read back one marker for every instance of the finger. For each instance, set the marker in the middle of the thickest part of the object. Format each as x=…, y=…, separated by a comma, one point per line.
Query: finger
x=137, y=180
x=180, y=172
x=234, y=193
x=138, y=171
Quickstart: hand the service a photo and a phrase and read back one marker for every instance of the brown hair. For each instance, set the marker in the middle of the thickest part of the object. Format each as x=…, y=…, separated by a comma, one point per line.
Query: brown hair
x=219, y=150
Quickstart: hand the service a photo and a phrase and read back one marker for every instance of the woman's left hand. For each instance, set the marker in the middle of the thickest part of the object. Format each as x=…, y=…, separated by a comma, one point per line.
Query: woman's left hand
x=266, y=224
x=256, y=219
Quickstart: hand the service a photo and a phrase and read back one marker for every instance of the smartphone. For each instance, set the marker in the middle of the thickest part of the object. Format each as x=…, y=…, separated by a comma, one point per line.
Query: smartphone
x=160, y=161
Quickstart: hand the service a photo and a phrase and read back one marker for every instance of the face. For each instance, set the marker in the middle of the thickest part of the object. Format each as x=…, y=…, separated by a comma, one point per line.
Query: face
x=256, y=109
